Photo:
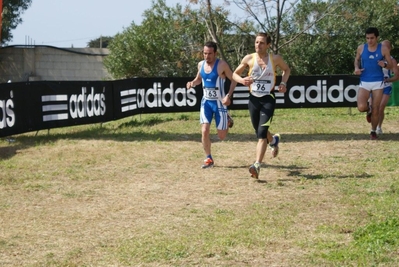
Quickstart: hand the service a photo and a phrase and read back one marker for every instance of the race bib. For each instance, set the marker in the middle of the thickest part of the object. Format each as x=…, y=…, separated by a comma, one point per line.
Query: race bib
x=211, y=93
x=262, y=87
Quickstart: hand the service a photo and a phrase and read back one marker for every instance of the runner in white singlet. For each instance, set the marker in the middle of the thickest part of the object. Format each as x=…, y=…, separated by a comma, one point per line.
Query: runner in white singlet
x=261, y=81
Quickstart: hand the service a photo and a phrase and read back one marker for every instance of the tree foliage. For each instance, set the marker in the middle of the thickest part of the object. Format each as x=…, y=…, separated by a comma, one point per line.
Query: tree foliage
x=320, y=37
x=234, y=38
x=11, y=17
x=314, y=36
x=170, y=40
x=164, y=45
x=328, y=47
x=100, y=42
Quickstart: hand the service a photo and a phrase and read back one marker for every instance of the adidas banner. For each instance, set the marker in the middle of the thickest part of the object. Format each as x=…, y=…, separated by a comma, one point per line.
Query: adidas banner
x=33, y=106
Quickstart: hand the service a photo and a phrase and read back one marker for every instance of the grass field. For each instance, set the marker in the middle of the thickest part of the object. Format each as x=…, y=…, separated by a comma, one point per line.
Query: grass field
x=132, y=193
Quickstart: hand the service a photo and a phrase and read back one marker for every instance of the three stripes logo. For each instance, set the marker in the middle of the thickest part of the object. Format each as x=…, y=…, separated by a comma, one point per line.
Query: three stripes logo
x=55, y=107
x=156, y=97
x=129, y=100
x=241, y=95
x=60, y=107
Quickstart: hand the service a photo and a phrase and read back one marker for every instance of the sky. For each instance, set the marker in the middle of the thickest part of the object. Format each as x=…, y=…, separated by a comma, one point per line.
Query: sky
x=74, y=23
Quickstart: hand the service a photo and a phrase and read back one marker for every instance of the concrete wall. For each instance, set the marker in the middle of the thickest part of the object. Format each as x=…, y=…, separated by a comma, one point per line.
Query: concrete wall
x=47, y=63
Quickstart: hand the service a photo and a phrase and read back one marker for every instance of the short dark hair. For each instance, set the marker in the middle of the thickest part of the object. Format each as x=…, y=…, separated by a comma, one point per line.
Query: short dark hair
x=373, y=30
x=211, y=44
x=266, y=36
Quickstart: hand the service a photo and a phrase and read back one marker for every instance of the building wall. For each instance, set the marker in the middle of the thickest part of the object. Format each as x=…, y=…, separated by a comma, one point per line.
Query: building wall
x=47, y=63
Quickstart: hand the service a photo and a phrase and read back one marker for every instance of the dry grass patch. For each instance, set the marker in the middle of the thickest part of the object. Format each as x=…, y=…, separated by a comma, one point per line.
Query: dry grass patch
x=132, y=193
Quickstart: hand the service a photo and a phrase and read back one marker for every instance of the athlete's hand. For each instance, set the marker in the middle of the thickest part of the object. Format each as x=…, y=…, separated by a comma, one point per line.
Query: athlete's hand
x=247, y=80
x=282, y=88
x=226, y=100
x=382, y=63
x=189, y=85
x=358, y=71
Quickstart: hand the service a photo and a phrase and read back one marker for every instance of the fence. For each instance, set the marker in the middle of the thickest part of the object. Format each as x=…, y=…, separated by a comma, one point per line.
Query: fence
x=38, y=105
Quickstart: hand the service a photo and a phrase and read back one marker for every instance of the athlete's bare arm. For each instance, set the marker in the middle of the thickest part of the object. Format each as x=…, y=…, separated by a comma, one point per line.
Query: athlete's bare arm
x=359, y=51
x=387, y=56
x=245, y=63
x=225, y=71
x=286, y=71
x=197, y=80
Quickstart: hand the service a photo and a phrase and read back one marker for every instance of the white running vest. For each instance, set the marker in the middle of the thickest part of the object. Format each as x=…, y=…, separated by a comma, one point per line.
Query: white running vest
x=264, y=80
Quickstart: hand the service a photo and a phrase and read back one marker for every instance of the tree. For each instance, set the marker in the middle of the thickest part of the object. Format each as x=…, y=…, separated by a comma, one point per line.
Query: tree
x=328, y=47
x=165, y=45
x=315, y=37
x=320, y=37
x=11, y=17
x=101, y=42
x=274, y=17
x=233, y=38
x=170, y=41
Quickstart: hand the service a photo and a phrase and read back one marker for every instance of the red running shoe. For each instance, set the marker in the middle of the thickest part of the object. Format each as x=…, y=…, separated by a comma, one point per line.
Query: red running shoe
x=208, y=163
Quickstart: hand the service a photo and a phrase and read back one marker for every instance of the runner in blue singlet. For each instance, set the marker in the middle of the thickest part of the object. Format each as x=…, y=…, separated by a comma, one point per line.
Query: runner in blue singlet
x=369, y=61
x=212, y=73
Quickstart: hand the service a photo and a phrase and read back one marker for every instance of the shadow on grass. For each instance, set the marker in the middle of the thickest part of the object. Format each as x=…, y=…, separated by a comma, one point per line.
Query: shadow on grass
x=139, y=135
x=298, y=173
x=147, y=122
x=336, y=137
x=121, y=133
x=9, y=151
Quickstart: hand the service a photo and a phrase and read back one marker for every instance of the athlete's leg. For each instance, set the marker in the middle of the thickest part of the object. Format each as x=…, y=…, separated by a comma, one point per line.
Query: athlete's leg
x=261, y=149
x=206, y=115
x=261, y=111
x=222, y=134
x=206, y=140
x=254, y=112
x=265, y=119
x=222, y=122
x=376, y=101
x=362, y=99
x=384, y=101
x=269, y=137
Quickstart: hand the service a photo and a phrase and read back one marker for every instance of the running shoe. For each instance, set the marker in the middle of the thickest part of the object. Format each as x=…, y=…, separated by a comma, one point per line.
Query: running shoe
x=373, y=135
x=254, y=170
x=208, y=163
x=274, y=147
x=230, y=121
x=378, y=131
